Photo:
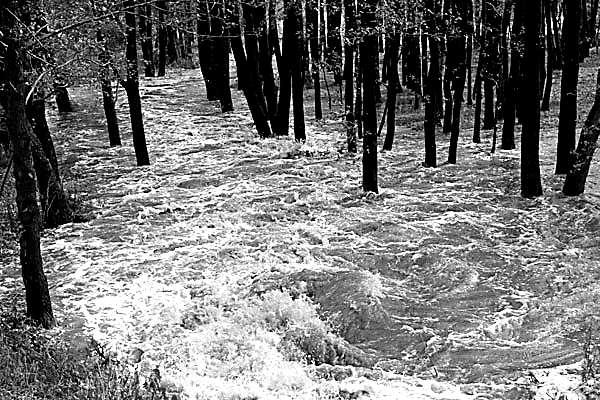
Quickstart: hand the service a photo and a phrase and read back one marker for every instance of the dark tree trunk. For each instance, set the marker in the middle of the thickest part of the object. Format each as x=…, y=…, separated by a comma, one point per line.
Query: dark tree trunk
x=333, y=50
x=253, y=82
x=312, y=30
x=592, y=22
x=550, y=59
x=207, y=48
x=108, y=99
x=478, y=101
x=369, y=55
x=504, y=51
x=582, y=156
x=297, y=72
x=172, y=53
x=285, y=71
x=432, y=83
x=132, y=87
x=37, y=296
x=568, y=86
x=470, y=70
x=220, y=54
x=61, y=95
x=350, y=21
x=512, y=84
x=145, y=23
x=56, y=209
x=266, y=65
x=531, y=185
x=456, y=65
x=162, y=37
x=393, y=87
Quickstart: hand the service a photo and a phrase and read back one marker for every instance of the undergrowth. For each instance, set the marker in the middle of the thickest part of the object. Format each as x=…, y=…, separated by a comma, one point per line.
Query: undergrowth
x=37, y=364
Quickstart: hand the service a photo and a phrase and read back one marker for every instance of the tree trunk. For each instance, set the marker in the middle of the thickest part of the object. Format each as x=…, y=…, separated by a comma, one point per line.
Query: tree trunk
x=39, y=307
x=297, y=72
x=61, y=95
x=285, y=72
x=350, y=43
x=207, y=48
x=220, y=54
x=478, y=101
x=162, y=37
x=312, y=31
x=56, y=209
x=568, y=87
x=266, y=65
x=511, y=84
x=254, y=95
x=550, y=59
x=432, y=83
x=582, y=156
x=108, y=99
x=145, y=23
x=393, y=87
x=531, y=185
x=132, y=87
x=369, y=55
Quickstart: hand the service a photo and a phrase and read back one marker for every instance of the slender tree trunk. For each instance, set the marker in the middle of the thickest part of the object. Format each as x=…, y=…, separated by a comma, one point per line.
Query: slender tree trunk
x=132, y=87
x=266, y=65
x=350, y=22
x=312, y=30
x=582, y=156
x=369, y=56
x=108, y=99
x=478, y=101
x=297, y=72
x=550, y=59
x=145, y=23
x=512, y=84
x=273, y=33
x=393, y=87
x=37, y=296
x=568, y=87
x=358, y=106
x=162, y=37
x=432, y=83
x=285, y=71
x=531, y=185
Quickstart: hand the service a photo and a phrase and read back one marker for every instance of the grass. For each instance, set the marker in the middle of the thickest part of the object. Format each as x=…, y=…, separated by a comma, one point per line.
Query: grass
x=38, y=364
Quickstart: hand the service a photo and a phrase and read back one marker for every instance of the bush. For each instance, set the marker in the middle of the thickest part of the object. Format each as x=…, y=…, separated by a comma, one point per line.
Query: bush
x=37, y=364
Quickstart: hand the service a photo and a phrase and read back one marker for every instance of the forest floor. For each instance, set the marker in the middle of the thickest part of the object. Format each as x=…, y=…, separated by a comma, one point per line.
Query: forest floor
x=237, y=263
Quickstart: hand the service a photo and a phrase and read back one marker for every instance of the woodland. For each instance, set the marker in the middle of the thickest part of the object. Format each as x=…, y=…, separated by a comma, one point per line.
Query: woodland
x=299, y=199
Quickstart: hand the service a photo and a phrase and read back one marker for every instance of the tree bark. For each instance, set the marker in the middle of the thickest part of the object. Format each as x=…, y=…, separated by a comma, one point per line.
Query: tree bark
x=531, y=185
x=349, y=45
x=145, y=23
x=108, y=99
x=393, y=87
x=582, y=157
x=162, y=37
x=568, y=87
x=132, y=88
x=39, y=307
x=369, y=57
